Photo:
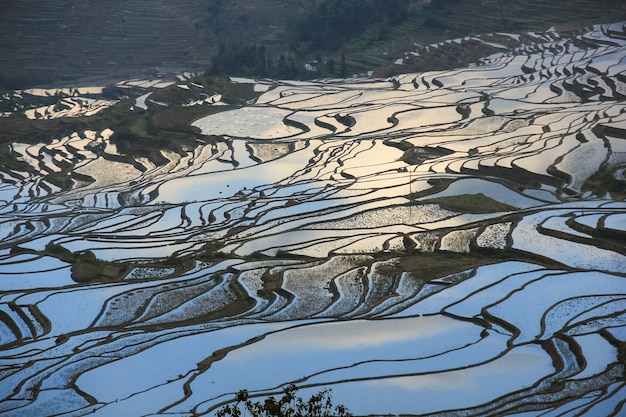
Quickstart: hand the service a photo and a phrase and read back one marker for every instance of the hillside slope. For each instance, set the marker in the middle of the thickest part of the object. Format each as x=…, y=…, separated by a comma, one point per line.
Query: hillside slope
x=44, y=42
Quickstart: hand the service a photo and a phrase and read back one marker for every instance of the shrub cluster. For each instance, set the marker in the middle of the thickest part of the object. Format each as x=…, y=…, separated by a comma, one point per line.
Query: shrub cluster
x=289, y=405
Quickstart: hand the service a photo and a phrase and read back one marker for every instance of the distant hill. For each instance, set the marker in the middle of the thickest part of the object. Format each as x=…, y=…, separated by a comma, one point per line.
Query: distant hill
x=440, y=20
x=42, y=42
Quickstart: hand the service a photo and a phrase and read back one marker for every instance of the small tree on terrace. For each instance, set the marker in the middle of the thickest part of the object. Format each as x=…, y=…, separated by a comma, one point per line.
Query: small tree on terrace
x=319, y=405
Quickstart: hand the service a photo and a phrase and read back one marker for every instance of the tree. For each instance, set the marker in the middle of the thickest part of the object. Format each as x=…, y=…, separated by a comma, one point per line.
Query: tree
x=241, y=60
x=343, y=72
x=329, y=25
x=319, y=405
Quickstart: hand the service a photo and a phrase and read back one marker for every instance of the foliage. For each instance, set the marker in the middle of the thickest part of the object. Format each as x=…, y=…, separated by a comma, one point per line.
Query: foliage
x=85, y=266
x=604, y=181
x=319, y=405
x=329, y=28
x=252, y=61
x=333, y=23
x=244, y=60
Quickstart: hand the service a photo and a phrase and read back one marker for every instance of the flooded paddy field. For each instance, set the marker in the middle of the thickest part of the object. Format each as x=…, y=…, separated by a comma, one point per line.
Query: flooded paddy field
x=436, y=243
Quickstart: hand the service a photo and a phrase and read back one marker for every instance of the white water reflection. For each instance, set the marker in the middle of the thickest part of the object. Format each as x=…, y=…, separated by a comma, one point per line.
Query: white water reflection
x=250, y=122
x=226, y=183
x=450, y=390
x=303, y=351
x=166, y=361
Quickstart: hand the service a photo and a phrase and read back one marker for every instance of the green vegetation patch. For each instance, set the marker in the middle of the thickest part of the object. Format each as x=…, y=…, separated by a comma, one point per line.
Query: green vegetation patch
x=471, y=203
x=332, y=23
x=86, y=267
x=147, y=132
x=433, y=265
x=604, y=181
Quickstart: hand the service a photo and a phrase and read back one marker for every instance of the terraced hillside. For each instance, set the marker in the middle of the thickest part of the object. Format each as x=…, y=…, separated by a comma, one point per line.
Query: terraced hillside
x=440, y=243
x=43, y=42
x=70, y=39
x=465, y=19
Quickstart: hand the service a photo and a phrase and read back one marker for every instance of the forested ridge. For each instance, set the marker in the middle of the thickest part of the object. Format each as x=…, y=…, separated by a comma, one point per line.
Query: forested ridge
x=336, y=38
x=46, y=43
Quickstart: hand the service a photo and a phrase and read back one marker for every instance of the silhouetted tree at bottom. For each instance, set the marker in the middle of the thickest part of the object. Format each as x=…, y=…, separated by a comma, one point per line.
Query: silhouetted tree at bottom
x=289, y=405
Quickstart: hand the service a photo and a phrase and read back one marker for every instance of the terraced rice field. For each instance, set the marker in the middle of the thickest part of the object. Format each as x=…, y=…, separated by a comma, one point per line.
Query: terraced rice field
x=439, y=243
